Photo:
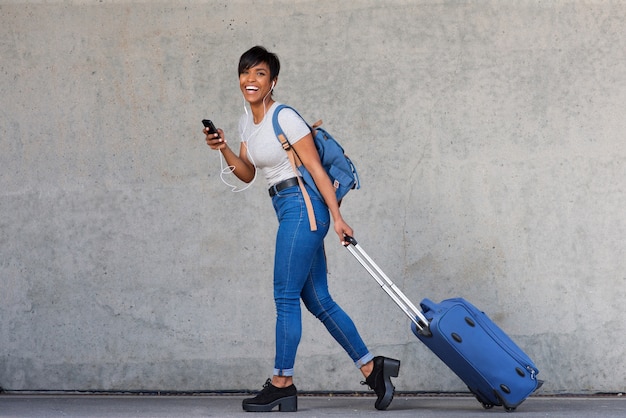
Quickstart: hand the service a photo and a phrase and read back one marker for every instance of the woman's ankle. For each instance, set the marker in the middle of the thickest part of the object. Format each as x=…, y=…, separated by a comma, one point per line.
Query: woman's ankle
x=282, y=381
x=367, y=368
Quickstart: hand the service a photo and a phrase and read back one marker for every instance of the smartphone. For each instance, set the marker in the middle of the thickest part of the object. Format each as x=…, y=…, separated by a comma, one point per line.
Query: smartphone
x=208, y=124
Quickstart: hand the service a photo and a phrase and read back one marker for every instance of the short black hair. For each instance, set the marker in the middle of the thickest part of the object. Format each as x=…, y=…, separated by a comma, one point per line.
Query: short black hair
x=256, y=55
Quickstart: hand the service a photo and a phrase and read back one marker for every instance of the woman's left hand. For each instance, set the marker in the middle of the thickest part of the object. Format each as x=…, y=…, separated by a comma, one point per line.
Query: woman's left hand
x=342, y=229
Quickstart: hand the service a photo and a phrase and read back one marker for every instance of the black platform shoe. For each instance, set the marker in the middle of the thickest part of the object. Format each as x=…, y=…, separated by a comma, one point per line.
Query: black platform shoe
x=380, y=380
x=270, y=396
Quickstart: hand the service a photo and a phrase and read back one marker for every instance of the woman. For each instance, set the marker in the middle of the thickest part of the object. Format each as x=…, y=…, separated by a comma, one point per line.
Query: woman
x=299, y=264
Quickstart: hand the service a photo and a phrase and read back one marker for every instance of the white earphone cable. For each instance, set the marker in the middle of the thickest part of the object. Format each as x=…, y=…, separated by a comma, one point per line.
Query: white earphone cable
x=224, y=169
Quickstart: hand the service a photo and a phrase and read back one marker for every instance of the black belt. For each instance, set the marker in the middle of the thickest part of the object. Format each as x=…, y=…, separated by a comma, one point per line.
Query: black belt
x=285, y=184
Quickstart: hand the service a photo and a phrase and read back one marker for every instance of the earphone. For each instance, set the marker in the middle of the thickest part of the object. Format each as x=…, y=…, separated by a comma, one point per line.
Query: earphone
x=229, y=169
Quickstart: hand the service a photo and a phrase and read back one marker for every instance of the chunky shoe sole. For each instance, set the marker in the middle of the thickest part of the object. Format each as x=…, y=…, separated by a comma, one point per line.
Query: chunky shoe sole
x=286, y=404
x=391, y=368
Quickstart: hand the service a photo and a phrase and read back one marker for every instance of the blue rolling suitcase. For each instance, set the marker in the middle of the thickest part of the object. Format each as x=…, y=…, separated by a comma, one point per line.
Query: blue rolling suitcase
x=494, y=368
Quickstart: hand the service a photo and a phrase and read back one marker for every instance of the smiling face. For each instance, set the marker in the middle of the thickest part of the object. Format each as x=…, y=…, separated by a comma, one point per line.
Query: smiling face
x=256, y=83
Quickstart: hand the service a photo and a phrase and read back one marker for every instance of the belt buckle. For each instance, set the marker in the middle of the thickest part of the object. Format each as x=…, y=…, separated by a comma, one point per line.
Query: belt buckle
x=274, y=190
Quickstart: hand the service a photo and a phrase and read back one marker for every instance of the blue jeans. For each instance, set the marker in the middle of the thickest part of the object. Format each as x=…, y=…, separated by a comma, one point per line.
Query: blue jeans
x=300, y=272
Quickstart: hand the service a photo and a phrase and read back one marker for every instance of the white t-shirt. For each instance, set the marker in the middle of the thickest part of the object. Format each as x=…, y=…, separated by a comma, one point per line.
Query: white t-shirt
x=264, y=148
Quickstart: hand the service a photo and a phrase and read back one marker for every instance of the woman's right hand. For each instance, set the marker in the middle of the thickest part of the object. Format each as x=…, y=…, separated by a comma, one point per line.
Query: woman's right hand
x=238, y=164
x=215, y=141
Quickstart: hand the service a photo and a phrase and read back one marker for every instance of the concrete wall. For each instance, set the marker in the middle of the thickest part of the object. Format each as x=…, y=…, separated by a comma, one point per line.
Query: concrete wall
x=489, y=136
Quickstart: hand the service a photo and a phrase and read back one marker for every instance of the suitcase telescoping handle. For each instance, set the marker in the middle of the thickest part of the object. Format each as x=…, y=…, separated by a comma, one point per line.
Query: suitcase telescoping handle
x=388, y=286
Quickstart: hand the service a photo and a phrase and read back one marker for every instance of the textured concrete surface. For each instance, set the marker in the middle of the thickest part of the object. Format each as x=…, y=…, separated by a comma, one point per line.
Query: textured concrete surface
x=489, y=136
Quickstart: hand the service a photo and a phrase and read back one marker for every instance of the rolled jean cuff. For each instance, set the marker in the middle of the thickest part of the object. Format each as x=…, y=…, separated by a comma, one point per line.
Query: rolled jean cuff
x=364, y=360
x=283, y=372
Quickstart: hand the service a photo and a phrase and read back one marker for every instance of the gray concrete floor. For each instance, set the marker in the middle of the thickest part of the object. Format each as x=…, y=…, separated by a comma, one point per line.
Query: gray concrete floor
x=63, y=405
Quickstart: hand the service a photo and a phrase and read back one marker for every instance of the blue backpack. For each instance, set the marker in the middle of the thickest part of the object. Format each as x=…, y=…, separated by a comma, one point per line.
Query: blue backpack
x=342, y=173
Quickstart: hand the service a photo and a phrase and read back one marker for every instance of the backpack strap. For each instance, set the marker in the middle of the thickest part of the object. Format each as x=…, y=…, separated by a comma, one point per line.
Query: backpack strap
x=278, y=131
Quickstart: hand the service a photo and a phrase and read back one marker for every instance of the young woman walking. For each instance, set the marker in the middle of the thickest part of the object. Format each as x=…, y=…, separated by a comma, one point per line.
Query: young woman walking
x=299, y=263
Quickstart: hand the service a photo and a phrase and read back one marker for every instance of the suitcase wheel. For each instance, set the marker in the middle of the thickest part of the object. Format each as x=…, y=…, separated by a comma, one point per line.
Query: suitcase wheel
x=506, y=408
